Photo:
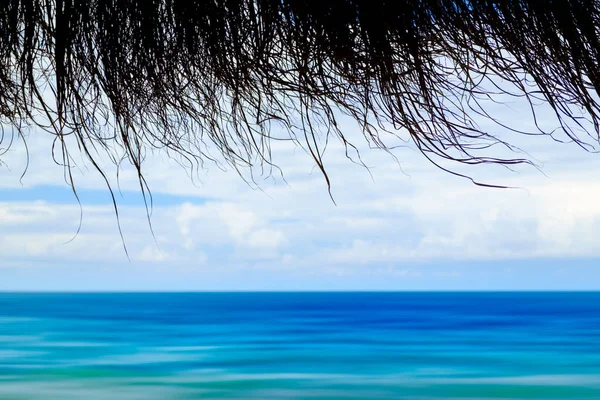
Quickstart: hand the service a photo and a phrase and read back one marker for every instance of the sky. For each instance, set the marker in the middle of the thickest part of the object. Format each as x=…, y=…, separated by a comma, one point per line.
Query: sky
x=403, y=224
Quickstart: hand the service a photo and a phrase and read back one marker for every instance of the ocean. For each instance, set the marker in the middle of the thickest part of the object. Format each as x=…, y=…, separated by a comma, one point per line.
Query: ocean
x=300, y=346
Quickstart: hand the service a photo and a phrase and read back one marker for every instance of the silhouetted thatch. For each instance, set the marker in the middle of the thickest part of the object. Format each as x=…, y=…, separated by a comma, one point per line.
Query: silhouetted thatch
x=186, y=74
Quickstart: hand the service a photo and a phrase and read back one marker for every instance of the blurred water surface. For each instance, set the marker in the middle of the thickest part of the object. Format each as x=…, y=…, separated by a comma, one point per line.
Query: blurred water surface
x=300, y=346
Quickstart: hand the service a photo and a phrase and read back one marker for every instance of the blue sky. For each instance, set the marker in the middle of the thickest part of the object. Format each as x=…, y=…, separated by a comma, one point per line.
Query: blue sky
x=408, y=227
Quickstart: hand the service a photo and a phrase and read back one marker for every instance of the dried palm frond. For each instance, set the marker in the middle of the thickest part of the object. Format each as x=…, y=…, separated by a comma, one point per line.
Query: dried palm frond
x=186, y=75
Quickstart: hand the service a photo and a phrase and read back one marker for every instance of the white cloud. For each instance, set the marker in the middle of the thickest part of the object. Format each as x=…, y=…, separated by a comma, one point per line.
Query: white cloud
x=61, y=246
x=266, y=238
x=411, y=214
x=23, y=214
x=231, y=223
x=151, y=254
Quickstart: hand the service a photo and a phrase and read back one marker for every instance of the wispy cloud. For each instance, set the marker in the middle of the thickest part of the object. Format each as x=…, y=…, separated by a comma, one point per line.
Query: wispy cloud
x=407, y=211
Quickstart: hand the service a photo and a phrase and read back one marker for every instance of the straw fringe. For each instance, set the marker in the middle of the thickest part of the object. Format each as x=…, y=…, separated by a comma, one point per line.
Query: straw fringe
x=189, y=75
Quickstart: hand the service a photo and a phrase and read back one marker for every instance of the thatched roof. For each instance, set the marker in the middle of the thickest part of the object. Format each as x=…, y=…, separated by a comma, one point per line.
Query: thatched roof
x=185, y=75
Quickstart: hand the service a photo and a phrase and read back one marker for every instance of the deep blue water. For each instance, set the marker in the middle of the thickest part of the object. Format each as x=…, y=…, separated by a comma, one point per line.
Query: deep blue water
x=300, y=346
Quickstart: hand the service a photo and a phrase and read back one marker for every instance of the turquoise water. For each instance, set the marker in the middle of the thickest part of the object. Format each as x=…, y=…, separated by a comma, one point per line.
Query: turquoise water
x=300, y=346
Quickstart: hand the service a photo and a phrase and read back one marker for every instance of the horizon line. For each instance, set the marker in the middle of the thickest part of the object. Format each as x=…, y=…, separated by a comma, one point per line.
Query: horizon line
x=232, y=291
